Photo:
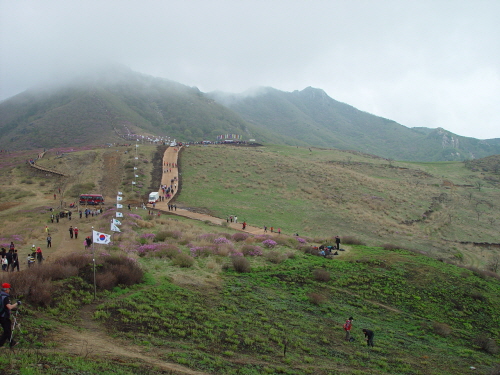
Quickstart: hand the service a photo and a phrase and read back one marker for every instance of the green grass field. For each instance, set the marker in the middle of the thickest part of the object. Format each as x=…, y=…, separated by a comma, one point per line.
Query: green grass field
x=284, y=315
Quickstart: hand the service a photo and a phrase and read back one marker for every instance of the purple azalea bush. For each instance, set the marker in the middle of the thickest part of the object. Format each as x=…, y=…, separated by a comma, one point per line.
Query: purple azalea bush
x=270, y=244
x=221, y=240
x=252, y=250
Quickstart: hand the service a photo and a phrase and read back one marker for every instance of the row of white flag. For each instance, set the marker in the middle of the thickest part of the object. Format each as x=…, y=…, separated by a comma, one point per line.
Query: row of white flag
x=103, y=238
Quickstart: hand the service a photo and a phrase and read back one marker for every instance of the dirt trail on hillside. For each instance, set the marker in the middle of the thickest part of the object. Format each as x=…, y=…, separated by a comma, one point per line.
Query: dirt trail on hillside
x=91, y=340
x=170, y=157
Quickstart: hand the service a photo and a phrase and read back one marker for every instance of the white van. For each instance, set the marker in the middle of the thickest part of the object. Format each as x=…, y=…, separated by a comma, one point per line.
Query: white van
x=154, y=197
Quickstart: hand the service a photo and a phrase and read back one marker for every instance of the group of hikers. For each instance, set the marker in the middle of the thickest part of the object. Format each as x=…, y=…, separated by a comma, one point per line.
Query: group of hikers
x=10, y=258
x=367, y=332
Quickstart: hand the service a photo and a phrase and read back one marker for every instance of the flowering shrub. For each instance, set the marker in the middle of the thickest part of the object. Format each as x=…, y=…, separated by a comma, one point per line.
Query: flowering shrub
x=251, y=250
x=270, y=244
x=207, y=236
x=144, y=249
x=162, y=236
x=202, y=251
x=238, y=237
x=134, y=216
x=221, y=240
x=148, y=236
x=301, y=240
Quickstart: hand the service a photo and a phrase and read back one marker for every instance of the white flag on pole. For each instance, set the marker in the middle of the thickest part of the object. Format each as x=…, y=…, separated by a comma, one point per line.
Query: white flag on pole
x=118, y=205
x=114, y=228
x=101, y=238
x=135, y=168
x=136, y=175
x=119, y=214
x=118, y=198
x=117, y=222
x=133, y=182
x=120, y=193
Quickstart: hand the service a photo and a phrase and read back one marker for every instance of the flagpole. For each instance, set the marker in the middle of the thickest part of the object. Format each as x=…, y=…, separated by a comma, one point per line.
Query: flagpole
x=93, y=259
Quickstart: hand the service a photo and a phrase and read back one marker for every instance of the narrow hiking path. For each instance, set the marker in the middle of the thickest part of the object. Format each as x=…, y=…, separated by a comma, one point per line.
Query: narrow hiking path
x=89, y=339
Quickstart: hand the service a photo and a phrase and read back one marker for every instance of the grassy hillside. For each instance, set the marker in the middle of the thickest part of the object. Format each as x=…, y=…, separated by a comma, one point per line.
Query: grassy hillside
x=219, y=301
x=312, y=116
x=328, y=192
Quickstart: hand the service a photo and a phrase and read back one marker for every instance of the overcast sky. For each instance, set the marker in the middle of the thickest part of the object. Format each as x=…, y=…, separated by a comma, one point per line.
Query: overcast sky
x=421, y=63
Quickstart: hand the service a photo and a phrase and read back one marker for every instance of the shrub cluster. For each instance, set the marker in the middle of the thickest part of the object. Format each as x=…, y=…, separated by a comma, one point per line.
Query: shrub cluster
x=35, y=285
x=270, y=244
x=251, y=250
x=351, y=240
x=485, y=343
x=321, y=274
x=240, y=264
x=183, y=260
x=441, y=329
x=316, y=298
x=275, y=257
x=238, y=237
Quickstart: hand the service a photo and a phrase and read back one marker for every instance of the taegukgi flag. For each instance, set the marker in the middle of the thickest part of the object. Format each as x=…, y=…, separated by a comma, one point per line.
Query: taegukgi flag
x=119, y=214
x=101, y=238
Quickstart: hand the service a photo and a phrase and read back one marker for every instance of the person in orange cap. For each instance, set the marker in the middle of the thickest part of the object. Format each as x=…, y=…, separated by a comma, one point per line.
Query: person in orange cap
x=5, y=307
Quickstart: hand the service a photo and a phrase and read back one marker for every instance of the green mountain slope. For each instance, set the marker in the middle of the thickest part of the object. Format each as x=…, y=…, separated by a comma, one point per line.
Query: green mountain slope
x=115, y=103
x=100, y=107
x=312, y=116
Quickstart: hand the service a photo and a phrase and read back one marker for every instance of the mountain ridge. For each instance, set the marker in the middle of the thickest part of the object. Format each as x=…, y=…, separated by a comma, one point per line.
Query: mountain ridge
x=97, y=108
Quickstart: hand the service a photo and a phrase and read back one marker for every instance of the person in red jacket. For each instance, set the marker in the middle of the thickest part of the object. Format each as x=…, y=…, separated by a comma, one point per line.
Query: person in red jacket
x=347, y=328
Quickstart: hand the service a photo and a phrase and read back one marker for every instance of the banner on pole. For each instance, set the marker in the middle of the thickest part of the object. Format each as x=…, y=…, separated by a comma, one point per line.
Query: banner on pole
x=117, y=222
x=118, y=205
x=118, y=198
x=101, y=238
x=119, y=214
x=114, y=228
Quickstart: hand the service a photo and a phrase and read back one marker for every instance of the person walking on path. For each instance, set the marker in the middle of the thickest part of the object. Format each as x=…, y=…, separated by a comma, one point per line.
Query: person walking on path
x=5, y=307
x=15, y=261
x=347, y=328
x=70, y=231
x=39, y=255
x=368, y=336
x=75, y=231
x=337, y=242
x=49, y=241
